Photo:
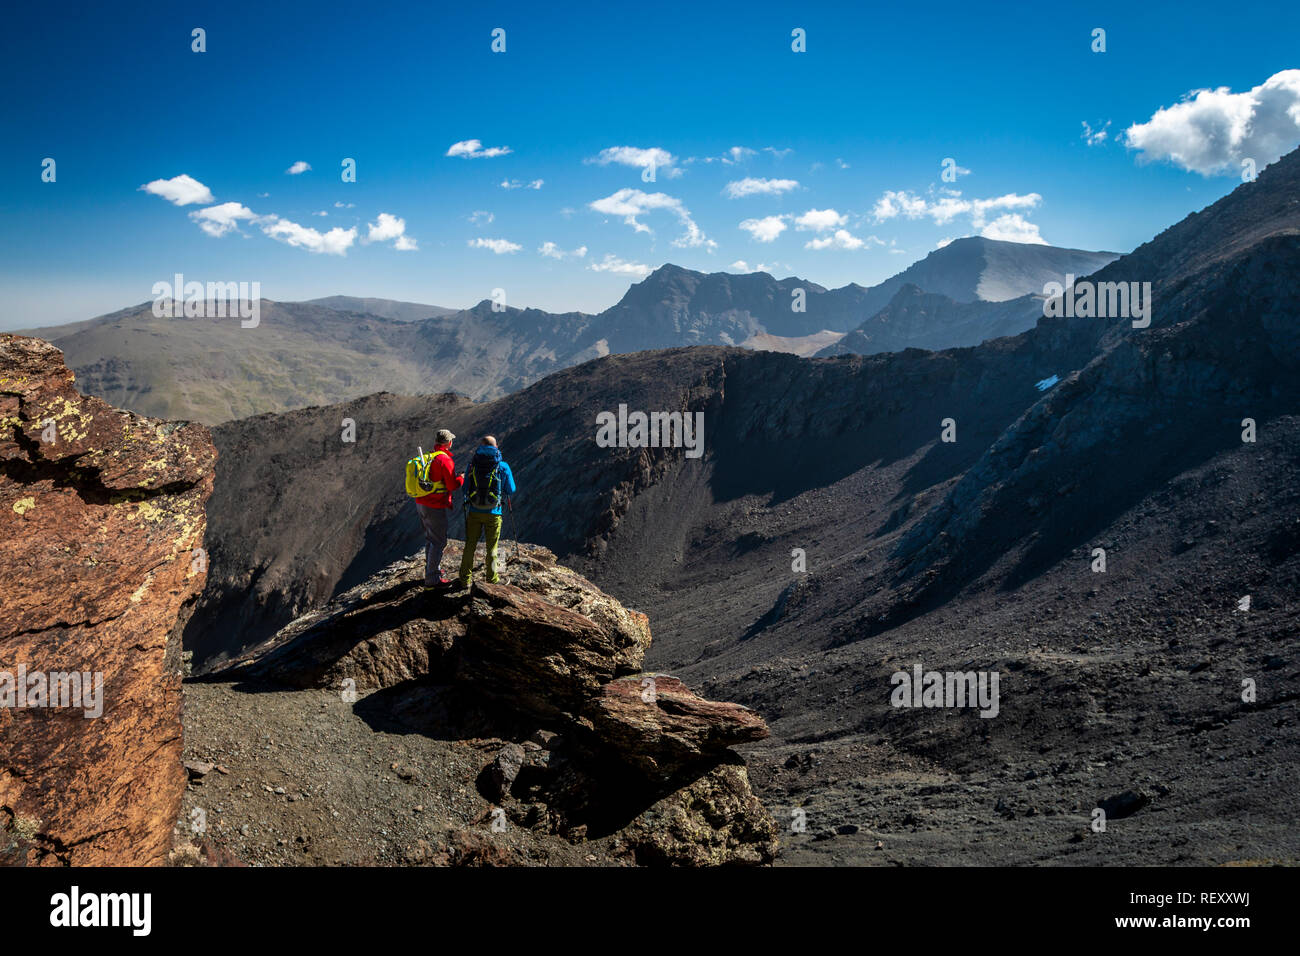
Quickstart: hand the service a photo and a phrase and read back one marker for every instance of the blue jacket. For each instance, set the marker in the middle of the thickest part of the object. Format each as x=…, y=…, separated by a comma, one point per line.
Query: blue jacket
x=505, y=477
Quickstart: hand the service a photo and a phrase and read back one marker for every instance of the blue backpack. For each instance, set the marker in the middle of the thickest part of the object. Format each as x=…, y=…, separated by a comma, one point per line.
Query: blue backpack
x=483, y=480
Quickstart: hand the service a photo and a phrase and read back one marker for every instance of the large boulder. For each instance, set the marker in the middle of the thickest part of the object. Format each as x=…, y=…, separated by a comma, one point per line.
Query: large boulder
x=713, y=820
x=101, y=528
x=546, y=641
x=663, y=727
x=544, y=655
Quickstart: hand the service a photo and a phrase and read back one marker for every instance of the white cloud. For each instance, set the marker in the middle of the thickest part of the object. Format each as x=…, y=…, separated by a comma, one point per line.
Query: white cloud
x=841, y=239
x=1012, y=227
x=750, y=186
x=219, y=220
x=481, y=217
x=843, y=165
x=740, y=265
x=612, y=263
x=631, y=203
x=1212, y=131
x=777, y=153
x=819, y=220
x=552, y=251
x=980, y=207
x=473, y=149
x=894, y=202
x=298, y=168
x=732, y=157
x=224, y=218
x=654, y=158
x=181, y=190
x=944, y=210
x=499, y=246
x=344, y=205
x=520, y=184
x=1095, y=137
x=390, y=227
x=336, y=242
x=765, y=229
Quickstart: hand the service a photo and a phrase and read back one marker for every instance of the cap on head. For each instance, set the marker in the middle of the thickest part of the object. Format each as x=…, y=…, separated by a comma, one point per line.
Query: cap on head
x=445, y=436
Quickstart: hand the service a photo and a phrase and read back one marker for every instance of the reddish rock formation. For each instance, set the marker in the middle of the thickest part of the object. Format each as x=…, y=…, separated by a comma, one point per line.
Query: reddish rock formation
x=663, y=727
x=101, y=526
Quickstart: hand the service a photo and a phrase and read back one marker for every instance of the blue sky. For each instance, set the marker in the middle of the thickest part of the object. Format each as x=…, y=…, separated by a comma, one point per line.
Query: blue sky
x=835, y=152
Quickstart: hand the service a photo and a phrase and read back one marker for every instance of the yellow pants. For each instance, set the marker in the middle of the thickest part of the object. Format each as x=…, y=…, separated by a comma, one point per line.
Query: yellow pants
x=490, y=527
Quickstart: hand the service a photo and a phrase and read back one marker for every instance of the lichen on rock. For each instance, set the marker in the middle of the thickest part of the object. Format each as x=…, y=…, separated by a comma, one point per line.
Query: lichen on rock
x=100, y=512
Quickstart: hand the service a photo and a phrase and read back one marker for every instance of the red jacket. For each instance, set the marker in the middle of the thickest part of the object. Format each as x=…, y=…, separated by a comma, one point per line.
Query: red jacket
x=442, y=469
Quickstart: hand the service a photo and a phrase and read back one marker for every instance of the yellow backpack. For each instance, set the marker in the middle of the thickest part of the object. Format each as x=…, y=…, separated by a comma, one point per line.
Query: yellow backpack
x=417, y=476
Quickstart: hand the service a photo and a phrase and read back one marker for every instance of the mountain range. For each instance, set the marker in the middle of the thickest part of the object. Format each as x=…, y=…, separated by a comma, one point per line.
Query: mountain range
x=384, y=308
x=340, y=347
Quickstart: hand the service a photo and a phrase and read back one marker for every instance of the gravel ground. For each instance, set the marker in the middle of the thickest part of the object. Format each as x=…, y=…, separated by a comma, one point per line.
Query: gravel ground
x=299, y=779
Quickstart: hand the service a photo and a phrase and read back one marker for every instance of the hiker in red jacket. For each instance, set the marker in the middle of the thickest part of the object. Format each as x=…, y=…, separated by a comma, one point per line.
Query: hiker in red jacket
x=435, y=508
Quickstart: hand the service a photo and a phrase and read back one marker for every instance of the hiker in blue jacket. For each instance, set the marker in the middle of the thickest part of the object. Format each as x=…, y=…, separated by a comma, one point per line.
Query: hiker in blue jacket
x=488, y=480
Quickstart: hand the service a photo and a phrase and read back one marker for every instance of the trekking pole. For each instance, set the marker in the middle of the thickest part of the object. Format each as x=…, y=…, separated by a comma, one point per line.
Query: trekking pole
x=419, y=465
x=514, y=530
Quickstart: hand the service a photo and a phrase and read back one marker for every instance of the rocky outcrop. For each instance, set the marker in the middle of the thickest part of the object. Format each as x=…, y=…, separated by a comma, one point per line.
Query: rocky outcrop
x=714, y=819
x=544, y=656
x=101, y=528
x=662, y=727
